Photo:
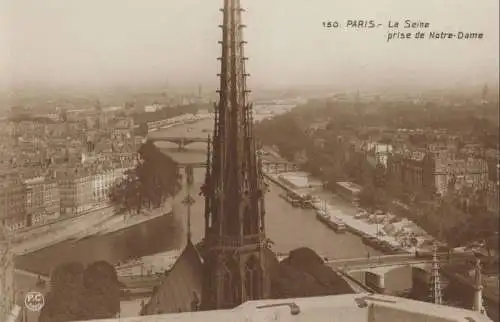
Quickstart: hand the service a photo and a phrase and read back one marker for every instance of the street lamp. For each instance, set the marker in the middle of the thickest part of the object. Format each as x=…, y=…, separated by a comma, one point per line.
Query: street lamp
x=188, y=201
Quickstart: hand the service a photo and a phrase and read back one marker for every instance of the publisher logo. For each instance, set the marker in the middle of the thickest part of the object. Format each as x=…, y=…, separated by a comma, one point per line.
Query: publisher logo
x=34, y=301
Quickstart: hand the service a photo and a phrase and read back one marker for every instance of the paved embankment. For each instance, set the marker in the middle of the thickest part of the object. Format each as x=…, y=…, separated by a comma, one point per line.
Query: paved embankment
x=358, y=227
x=28, y=233
x=62, y=231
x=102, y=221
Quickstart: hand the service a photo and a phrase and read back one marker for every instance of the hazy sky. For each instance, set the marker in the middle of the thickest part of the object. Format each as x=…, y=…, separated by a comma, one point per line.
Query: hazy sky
x=105, y=42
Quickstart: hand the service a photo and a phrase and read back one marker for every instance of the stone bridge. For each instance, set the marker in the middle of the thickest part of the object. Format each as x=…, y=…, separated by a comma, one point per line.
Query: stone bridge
x=376, y=267
x=180, y=141
x=267, y=166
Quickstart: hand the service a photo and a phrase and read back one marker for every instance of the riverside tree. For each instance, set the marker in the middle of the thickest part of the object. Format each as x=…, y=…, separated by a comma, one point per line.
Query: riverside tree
x=64, y=301
x=155, y=178
x=373, y=198
x=284, y=132
x=80, y=293
x=101, y=290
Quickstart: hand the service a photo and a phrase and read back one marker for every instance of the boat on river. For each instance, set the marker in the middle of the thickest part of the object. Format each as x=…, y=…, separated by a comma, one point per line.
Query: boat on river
x=297, y=200
x=337, y=224
x=292, y=199
x=306, y=201
x=333, y=222
x=382, y=245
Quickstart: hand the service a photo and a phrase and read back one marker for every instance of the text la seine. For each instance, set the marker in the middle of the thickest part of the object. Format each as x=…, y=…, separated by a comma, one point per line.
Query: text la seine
x=409, y=24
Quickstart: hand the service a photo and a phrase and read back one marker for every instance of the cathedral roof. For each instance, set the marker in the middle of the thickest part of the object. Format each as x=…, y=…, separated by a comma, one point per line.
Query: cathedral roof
x=181, y=286
x=348, y=307
x=303, y=273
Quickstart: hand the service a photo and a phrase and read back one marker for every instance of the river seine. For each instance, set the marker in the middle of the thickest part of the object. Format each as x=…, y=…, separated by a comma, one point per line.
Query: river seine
x=287, y=227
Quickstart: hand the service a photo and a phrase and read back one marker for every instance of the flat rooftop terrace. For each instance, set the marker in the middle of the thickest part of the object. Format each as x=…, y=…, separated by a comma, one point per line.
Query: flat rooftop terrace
x=341, y=308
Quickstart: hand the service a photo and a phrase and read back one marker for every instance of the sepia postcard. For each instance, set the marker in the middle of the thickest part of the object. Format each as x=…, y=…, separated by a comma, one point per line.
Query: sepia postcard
x=249, y=160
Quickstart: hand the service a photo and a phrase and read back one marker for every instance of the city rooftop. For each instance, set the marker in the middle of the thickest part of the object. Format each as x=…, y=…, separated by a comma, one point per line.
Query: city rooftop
x=341, y=308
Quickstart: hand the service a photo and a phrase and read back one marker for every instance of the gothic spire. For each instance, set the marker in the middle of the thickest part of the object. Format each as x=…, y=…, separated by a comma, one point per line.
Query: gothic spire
x=234, y=168
x=233, y=110
x=234, y=205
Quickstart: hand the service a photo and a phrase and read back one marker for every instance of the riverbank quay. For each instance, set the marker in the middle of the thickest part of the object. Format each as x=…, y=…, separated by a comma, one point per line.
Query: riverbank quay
x=147, y=265
x=355, y=226
x=26, y=233
x=60, y=233
x=122, y=221
x=344, y=210
x=274, y=179
x=102, y=221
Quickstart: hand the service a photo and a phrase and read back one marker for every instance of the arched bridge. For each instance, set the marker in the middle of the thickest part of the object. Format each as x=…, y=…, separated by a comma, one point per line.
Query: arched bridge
x=386, y=263
x=267, y=166
x=179, y=140
x=375, y=268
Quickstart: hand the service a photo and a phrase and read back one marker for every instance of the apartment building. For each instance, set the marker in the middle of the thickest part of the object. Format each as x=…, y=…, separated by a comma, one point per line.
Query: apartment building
x=42, y=200
x=103, y=181
x=86, y=187
x=34, y=200
x=410, y=167
x=75, y=190
x=434, y=171
x=12, y=204
x=51, y=198
x=492, y=197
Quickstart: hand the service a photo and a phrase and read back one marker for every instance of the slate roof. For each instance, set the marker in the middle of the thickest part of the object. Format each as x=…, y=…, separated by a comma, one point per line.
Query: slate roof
x=304, y=274
x=180, y=287
x=301, y=274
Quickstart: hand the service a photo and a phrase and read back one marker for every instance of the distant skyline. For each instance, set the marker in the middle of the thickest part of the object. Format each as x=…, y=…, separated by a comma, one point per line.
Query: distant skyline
x=102, y=43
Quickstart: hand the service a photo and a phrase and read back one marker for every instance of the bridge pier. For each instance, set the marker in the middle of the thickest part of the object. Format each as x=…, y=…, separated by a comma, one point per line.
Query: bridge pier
x=420, y=280
x=375, y=281
x=372, y=272
x=182, y=146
